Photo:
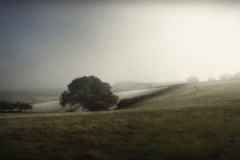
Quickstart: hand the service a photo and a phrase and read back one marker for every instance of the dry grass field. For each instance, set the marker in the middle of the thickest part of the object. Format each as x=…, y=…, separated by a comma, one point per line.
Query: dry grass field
x=183, y=123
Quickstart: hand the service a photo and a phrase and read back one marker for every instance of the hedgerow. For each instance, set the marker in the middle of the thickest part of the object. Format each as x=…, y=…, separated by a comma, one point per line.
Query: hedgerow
x=129, y=101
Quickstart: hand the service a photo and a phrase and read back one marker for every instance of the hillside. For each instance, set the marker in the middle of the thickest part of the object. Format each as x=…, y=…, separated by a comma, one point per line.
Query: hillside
x=180, y=124
x=213, y=94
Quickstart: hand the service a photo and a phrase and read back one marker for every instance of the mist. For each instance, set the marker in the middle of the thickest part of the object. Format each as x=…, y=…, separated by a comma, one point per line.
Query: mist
x=47, y=44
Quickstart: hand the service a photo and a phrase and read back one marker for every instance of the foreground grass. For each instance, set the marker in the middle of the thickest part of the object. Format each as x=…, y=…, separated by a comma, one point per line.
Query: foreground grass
x=189, y=126
x=202, y=133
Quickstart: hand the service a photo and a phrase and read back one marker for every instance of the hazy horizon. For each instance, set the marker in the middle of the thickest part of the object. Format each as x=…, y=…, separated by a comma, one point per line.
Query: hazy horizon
x=48, y=44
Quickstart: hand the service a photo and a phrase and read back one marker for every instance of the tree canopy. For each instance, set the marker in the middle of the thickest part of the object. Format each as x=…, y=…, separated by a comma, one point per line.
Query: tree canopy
x=90, y=93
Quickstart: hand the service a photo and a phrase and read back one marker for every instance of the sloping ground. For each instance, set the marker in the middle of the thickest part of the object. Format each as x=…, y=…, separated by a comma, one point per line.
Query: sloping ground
x=200, y=95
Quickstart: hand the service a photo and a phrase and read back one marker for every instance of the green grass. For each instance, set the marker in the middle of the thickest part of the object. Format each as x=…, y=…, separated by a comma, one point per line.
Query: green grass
x=181, y=124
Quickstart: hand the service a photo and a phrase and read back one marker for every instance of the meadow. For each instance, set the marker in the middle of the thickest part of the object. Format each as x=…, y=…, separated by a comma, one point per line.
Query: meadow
x=189, y=122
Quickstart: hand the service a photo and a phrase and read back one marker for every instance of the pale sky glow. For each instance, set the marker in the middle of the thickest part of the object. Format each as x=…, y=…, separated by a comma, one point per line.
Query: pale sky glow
x=46, y=45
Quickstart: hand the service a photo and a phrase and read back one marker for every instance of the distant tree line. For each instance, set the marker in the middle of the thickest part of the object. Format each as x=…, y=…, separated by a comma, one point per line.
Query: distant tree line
x=14, y=107
x=226, y=77
x=129, y=101
x=223, y=77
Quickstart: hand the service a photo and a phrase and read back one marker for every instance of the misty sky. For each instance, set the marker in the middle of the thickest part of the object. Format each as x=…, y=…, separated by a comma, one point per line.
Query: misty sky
x=47, y=44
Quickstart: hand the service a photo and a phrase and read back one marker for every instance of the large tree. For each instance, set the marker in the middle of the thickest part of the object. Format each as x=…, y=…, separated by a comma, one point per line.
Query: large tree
x=90, y=93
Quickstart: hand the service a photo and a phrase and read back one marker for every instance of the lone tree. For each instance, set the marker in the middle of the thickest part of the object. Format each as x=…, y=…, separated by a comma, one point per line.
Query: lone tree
x=89, y=92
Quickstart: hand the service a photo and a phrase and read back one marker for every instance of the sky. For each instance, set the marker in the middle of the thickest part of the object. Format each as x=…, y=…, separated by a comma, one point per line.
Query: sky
x=47, y=44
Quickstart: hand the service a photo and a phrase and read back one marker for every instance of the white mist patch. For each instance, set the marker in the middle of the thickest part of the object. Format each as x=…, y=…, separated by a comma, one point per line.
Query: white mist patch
x=53, y=106
x=134, y=93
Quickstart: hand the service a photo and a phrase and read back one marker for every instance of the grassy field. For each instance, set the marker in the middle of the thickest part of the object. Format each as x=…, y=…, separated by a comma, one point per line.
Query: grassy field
x=181, y=124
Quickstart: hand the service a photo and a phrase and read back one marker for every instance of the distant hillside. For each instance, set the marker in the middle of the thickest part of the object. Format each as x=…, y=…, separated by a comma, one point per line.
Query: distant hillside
x=31, y=96
x=13, y=97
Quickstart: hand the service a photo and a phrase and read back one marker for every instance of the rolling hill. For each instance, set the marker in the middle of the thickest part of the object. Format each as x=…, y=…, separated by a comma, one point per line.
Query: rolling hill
x=212, y=94
x=190, y=122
